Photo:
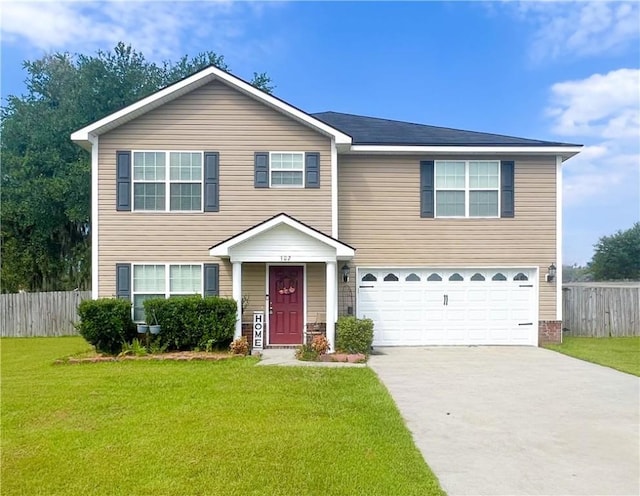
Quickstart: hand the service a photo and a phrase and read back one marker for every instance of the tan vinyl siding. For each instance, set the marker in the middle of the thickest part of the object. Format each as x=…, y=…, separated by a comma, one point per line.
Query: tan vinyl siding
x=211, y=118
x=316, y=277
x=379, y=214
x=254, y=288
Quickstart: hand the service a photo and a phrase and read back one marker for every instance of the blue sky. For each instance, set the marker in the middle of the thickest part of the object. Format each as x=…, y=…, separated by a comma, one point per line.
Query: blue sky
x=567, y=71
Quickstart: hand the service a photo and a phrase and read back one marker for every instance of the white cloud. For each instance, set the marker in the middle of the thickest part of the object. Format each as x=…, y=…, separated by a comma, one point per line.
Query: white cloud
x=579, y=28
x=602, y=110
x=160, y=30
x=605, y=105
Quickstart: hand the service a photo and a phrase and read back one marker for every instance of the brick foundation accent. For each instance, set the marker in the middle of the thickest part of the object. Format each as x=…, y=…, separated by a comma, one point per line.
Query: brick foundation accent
x=549, y=331
x=315, y=329
x=247, y=332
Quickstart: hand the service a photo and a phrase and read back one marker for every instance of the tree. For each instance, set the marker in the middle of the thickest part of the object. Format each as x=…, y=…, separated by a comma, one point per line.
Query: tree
x=575, y=273
x=45, y=230
x=617, y=256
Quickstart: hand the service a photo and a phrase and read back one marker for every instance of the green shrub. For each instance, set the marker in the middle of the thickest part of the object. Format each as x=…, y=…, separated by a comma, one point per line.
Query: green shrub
x=106, y=323
x=189, y=322
x=354, y=335
x=306, y=353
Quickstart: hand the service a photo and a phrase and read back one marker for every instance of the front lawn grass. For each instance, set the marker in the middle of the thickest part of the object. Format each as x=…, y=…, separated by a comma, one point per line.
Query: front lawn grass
x=187, y=428
x=618, y=353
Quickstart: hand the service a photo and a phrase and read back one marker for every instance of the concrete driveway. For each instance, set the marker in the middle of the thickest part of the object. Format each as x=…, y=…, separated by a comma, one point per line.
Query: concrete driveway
x=517, y=420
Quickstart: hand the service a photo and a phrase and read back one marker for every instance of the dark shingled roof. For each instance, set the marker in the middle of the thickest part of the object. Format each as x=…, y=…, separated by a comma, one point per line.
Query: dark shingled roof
x=374, y=131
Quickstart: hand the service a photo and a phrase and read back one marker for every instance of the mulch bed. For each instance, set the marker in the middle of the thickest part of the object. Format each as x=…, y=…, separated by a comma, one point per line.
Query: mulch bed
x=344, y=357
x=178, y=356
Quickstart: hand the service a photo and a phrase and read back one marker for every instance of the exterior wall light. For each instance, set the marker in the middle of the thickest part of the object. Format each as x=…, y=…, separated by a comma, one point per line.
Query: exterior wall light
x=551, y=274
x=345, y=272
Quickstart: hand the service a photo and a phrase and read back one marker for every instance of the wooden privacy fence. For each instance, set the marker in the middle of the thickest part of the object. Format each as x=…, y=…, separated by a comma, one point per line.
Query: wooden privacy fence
x=40, y=314
x=601, y=309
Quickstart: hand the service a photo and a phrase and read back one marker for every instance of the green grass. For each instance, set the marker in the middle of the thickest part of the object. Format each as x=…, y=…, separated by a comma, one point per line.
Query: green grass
x=186, y=428
x=618, y=353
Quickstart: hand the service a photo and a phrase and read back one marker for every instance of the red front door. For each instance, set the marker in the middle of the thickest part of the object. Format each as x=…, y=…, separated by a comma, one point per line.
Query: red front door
x=287, y=300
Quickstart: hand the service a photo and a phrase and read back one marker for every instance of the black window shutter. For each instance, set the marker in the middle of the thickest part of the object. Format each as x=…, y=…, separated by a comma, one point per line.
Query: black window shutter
x=211, y=274
x=261, y=170
x=507, y=177
x=211, y=182
x=427, y=208
x=123, y=281
x=123, y=181
x=312, y=170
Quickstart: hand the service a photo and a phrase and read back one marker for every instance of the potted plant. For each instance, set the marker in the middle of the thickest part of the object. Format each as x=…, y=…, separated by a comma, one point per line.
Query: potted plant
x=155, y=327
x=142, y=328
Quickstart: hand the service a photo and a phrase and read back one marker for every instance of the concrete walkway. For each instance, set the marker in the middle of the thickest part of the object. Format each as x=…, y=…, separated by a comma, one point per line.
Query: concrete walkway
x=517, y=420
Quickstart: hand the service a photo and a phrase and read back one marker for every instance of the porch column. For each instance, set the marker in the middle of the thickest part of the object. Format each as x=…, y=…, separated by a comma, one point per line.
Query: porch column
x=330, y=304
x=236, y=278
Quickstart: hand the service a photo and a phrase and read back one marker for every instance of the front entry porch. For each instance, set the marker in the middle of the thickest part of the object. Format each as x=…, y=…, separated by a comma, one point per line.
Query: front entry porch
x=289, y=271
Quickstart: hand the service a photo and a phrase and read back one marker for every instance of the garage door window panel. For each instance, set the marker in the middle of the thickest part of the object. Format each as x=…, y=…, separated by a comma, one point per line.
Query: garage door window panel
x=434, y=278
x=391, y=278
x=369, y=278
x=499, y=276
x=456, y=277
x=412, y=277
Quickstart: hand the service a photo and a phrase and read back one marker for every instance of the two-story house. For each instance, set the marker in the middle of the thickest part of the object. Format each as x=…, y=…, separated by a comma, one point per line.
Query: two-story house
x=441, y=236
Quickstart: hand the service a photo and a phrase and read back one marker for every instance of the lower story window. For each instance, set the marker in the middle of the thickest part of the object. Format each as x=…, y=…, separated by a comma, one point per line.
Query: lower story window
x=162, y=281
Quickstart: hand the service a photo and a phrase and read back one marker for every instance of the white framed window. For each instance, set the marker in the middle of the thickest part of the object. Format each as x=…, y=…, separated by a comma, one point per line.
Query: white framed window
x=167, y=181
x=286, y=169
x=467, y=188
x=163, y=281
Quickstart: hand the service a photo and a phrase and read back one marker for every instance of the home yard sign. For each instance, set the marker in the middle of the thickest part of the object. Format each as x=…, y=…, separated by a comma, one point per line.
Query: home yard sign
x=258, y=330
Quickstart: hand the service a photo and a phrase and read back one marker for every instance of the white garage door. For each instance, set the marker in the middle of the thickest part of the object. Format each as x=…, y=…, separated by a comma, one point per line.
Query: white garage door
x=449, y=306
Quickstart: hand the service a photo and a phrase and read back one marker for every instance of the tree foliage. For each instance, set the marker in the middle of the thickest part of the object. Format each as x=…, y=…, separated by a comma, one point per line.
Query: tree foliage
x=575, y=273
x=45, y=178
x=617, y=256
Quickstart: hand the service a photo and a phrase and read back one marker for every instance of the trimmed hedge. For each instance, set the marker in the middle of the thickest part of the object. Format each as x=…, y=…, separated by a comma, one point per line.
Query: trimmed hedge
x=189, y=322
x=354, y=335
x=106, y=323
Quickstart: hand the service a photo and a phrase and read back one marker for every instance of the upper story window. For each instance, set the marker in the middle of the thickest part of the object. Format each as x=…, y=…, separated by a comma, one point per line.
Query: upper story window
x=467, y=188
x=286, y=169
x=167, y=181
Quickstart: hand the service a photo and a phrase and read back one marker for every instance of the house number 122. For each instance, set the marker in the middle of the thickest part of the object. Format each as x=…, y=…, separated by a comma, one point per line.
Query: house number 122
x=285, y=258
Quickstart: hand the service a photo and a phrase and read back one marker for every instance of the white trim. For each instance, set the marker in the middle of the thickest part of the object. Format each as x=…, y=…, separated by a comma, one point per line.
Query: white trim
x=331, y=302
x=342, y=251
x=564, y=151
x=236, y=282
x=558, y=260
x=304, y=303
x=334, y=189
x=95, y=245
x=197, y=80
